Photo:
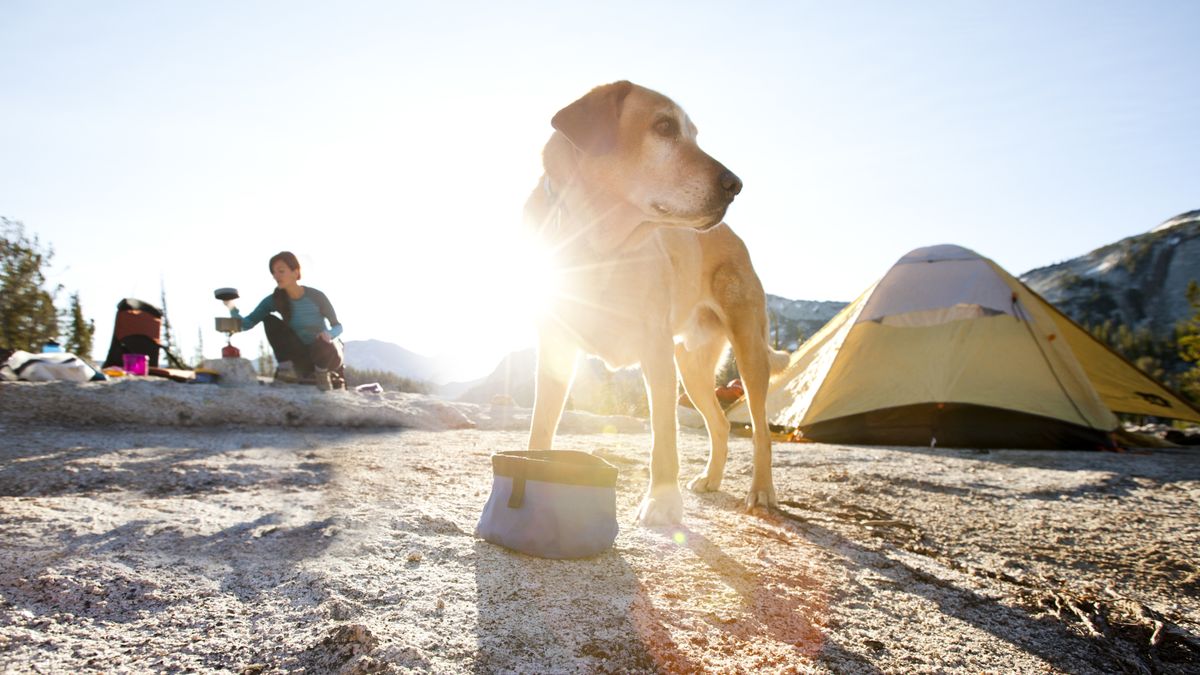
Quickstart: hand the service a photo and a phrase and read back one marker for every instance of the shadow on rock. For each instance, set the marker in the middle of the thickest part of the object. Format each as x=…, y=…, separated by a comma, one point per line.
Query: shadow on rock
x=1046, y=637
x=530, y=610
x=153, y=463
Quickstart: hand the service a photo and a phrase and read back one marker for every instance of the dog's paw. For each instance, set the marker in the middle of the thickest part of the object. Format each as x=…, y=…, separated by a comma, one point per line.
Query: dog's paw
x=761, y=498
x=661, y=507
x=705, y=483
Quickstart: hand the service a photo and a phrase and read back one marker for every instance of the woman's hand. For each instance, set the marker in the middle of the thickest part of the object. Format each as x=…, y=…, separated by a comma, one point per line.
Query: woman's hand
x=324, y=337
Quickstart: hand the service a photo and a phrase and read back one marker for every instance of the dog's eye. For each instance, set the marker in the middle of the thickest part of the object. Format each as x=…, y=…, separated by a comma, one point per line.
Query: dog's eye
x=666, y=127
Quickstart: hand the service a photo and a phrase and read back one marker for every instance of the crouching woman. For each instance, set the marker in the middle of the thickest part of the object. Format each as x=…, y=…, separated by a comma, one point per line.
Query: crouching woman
x=305, y=338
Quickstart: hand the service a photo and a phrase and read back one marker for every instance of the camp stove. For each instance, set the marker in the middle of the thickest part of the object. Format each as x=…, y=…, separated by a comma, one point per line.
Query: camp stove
x=228, y=324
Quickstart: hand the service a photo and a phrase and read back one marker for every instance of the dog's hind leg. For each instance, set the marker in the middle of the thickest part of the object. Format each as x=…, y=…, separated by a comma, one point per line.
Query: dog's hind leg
x=748, y=336
x=555, y=368
x=663, y=503
x=696, y=368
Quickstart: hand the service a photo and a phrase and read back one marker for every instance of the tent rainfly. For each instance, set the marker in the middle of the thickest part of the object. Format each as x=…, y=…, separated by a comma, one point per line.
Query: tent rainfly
x=949, y=349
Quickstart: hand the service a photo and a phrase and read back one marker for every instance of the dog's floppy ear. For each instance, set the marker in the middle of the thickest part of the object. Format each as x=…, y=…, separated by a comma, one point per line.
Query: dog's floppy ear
x=591, y=122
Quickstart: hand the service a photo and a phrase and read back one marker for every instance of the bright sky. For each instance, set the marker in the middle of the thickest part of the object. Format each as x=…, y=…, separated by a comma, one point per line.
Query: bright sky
x=391, y=145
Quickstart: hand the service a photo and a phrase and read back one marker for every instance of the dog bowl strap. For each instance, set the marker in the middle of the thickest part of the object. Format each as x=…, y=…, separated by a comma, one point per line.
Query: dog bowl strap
x=517, y=496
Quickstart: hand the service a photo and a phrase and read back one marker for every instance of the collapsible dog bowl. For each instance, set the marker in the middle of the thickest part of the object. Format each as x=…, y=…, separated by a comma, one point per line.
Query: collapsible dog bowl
x=551, y=503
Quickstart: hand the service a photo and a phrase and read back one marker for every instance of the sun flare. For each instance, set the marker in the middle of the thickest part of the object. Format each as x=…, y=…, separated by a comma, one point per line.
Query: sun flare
x=534, y=275
x=509, y=280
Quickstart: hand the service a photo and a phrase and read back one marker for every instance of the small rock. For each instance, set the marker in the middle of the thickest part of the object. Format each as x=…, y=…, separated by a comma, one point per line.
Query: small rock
x=233, y=372
x=352, y=634
x=340, y=611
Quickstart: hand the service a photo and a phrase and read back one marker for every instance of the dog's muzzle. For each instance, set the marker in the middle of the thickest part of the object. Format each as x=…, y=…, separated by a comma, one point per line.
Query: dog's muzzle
x=731, y=184
x=728, y=184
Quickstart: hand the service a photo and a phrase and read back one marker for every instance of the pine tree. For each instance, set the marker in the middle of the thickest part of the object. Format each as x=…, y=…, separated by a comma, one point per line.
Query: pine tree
x=80, y=330
x=28, y=317
x=1189, y=344
x=168, y=334
x=199, y=347
x=266, y=362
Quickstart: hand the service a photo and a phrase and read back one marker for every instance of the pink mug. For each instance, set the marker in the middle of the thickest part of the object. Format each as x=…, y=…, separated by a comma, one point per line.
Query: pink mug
x=135, y=364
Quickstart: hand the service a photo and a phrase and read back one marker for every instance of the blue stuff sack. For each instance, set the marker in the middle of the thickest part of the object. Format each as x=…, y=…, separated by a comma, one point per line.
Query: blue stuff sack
x=551, y=503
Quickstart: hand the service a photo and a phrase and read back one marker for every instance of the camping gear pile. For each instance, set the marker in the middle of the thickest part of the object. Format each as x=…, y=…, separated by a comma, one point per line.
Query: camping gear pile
x=137, y=330
x=727, y=394
x=134, y=350
x=949, y=349
x=551, y=503
x=49, y=366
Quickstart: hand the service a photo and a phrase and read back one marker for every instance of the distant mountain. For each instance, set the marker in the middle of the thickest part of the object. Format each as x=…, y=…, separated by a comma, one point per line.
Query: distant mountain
x=392, y=358
x=595, y=387
x=513, y=377
x=793, y=321
x=453, y=390
x=1138, y=281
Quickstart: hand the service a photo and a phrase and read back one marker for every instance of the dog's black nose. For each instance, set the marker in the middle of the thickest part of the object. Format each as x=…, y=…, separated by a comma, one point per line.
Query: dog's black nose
x=731, y=183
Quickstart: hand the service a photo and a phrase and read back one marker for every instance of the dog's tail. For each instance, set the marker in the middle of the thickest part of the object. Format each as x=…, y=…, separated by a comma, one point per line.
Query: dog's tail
x=778, y=360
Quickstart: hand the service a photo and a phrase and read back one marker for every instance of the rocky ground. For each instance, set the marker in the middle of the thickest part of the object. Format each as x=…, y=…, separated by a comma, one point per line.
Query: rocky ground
x=156, y=547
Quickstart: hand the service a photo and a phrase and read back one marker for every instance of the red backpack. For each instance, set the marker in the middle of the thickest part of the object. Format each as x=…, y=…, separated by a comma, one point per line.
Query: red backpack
x=137, y=330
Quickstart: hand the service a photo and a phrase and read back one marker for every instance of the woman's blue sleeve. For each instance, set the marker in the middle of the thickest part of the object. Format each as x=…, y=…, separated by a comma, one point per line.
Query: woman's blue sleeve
x=264, y=308
x=326, y=309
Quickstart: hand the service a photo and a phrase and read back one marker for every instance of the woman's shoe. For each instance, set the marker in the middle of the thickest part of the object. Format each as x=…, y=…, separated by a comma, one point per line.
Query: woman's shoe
x=337, y=379
x=286, y=373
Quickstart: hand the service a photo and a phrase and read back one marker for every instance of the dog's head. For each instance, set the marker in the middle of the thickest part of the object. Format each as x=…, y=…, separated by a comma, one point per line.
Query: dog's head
x=638, y=146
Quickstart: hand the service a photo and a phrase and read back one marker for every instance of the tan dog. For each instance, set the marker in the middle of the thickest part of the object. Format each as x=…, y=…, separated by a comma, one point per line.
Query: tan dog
x=648, y=274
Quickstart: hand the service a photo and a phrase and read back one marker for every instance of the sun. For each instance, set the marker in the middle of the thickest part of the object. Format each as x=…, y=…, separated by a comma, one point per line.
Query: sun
x=533, y=275
x=506, y=281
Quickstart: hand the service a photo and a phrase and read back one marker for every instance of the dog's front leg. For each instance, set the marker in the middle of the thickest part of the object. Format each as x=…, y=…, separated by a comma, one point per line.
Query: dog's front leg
x=555, y=368
x=663, y=503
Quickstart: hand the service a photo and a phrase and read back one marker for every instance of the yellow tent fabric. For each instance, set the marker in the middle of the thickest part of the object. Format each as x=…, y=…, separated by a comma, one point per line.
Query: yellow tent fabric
x=947, y=327
x=1121, y=386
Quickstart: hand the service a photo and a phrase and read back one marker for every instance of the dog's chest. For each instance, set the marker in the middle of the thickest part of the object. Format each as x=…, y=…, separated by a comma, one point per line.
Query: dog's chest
x=618, y=307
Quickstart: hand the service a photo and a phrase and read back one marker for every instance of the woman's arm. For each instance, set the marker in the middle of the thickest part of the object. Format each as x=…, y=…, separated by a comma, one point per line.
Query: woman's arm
x=264, y=308
x=326, y=308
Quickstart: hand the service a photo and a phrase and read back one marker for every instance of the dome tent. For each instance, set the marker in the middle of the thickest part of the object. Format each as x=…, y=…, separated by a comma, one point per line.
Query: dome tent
x=949, y=349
